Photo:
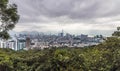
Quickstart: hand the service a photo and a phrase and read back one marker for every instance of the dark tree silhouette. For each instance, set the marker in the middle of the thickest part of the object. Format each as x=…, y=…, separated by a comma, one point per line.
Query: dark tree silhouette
x=8, y=18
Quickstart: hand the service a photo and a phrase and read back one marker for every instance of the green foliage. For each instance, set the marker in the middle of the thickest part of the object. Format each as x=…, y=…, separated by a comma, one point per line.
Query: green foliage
x=103, y=57
x=117, y=33
x=8, y=18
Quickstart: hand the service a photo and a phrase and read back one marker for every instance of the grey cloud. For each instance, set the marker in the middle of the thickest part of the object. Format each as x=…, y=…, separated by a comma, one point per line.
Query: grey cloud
x=34, y=10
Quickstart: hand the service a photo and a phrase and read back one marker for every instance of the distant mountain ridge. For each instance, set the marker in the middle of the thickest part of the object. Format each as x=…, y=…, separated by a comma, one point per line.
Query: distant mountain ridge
x=24, y=32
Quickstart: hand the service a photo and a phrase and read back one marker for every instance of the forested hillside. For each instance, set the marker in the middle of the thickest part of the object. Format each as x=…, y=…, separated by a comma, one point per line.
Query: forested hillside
x=103, y=57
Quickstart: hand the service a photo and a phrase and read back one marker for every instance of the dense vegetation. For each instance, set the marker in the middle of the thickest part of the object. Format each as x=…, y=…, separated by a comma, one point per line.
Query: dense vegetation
x=103, y=57
x=8, y=18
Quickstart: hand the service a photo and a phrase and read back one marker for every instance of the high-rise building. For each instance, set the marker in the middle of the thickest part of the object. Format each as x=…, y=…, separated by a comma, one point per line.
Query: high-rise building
x=61, y=34
x=28, y=42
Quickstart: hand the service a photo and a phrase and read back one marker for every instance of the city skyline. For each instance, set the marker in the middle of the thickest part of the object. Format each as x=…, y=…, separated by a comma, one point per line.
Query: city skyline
x=73, y=16
x=37, y=40
x=27, y=33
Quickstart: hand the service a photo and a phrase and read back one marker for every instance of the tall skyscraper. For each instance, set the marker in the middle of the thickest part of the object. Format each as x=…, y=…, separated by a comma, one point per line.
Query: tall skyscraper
x=28, y=42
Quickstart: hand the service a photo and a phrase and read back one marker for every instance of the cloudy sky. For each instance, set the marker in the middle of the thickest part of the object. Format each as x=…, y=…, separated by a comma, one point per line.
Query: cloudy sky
x=73, y=16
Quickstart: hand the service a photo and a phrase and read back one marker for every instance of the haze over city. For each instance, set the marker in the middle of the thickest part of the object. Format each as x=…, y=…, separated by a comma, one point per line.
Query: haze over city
x=90, y=17
x=59, y=35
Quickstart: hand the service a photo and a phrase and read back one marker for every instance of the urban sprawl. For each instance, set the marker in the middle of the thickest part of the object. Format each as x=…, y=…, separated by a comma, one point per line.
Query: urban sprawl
x=41, y=41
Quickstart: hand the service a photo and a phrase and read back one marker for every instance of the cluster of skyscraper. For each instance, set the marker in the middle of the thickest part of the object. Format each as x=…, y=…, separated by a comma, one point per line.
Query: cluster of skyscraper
x=41, y=41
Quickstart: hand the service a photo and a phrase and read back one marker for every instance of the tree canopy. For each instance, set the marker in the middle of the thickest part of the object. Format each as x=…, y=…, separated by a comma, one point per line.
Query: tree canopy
x=117, y=33
x=103, y=57
x=8, y=18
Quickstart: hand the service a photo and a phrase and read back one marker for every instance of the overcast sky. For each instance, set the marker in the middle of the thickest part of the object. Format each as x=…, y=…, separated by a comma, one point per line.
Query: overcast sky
x=73, y=16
